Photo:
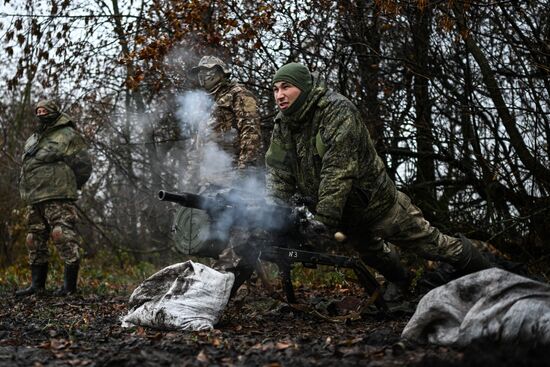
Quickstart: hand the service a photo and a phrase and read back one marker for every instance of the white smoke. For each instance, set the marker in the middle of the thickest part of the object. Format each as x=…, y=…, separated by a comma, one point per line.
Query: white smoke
x=194, y=112
x=216, y=165
x=243, y=189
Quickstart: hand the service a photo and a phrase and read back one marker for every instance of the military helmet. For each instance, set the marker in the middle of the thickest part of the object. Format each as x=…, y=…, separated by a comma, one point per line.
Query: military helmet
x=49, y=105
x=209, y=62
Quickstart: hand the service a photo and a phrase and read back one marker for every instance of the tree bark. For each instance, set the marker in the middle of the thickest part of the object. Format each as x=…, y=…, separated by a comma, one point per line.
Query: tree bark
x=425, y=167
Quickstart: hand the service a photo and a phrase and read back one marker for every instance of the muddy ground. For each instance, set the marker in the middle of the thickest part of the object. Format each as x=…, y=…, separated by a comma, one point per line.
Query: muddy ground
x=256, y=330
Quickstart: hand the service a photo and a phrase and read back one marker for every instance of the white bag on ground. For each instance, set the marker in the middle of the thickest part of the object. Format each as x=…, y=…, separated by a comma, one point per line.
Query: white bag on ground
x=492, y=304
x=183, y=296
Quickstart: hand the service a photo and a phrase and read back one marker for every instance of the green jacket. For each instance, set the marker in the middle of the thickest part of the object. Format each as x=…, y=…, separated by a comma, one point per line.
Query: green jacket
x=55, y=163
x=324, y=151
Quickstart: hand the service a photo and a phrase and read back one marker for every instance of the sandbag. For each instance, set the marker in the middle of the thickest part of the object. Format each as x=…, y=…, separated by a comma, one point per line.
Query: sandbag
x=183, y=296
x=492, y=304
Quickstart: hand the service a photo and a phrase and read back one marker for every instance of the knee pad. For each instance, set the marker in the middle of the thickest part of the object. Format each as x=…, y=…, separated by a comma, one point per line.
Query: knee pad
x=57, y=234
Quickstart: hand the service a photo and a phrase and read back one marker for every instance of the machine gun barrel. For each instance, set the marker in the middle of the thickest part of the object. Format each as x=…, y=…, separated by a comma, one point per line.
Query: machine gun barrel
x=191, y=200
x=248, y=214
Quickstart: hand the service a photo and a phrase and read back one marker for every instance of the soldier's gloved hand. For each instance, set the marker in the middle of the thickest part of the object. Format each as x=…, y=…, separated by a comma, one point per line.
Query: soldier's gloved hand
x=316, y=229
x=318, y=235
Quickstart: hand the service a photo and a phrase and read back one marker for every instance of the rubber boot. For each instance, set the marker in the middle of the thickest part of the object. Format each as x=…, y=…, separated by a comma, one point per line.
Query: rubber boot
x=70, y=278
x=471, y=260
x=38, y=281
x=390, y=267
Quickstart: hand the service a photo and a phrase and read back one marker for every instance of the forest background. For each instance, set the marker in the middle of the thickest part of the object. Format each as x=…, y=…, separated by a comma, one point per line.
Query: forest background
x=456, y=95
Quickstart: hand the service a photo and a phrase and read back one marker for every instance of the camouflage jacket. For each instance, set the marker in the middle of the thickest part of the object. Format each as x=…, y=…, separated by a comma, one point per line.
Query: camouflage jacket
x=235, y=124
x=324, y=152
x=55, y=163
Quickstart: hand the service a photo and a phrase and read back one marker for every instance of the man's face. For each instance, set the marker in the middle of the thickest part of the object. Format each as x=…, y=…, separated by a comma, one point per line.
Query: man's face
x=209, y=78
x=285, y=94
x=41, y=111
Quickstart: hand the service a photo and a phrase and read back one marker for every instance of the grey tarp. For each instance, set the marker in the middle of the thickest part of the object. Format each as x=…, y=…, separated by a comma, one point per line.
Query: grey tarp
x=183, y=296
x=492, y=304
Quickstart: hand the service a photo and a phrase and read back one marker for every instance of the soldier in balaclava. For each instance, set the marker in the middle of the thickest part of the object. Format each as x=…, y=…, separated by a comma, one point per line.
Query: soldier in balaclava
x=235, y=122
x=55, y=166
x=234, y=127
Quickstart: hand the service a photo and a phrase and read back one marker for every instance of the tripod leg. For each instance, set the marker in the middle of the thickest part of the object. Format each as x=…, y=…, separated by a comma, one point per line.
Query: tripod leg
x=286, y=277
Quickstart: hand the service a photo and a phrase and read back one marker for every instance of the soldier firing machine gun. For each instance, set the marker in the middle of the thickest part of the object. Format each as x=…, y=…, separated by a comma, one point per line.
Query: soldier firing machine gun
x=284, y=245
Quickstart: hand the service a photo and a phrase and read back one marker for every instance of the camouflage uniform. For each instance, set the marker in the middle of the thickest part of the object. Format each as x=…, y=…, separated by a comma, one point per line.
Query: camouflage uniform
x=236, y=116
x=55, y=165
x=235, y=129
x=234, y=126
x=57, y=218
x=323, y=151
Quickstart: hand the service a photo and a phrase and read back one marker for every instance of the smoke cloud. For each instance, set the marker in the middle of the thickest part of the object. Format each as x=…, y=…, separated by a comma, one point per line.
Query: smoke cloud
x=214, y=171
x=194, y=112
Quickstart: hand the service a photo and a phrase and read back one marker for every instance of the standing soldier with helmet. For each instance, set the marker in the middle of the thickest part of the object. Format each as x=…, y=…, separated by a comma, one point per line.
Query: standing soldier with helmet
x=234, y=127
x=235, y=123
x=55, y=165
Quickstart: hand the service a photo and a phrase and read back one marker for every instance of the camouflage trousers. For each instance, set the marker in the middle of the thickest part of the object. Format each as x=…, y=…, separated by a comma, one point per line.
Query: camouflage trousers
x=405, y=226
x=55, y=219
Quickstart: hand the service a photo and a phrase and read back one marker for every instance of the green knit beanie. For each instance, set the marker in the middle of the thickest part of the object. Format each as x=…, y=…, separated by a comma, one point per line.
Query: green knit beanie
x=296, y=74
x=299, y=76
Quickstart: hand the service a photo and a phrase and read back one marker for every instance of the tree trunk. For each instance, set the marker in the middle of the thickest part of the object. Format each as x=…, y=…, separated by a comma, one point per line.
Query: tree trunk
x=425, y=168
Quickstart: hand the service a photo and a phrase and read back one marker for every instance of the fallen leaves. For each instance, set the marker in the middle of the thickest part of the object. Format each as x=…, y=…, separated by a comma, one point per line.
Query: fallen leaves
x=270, y=345
x=202, y=357
x=86, y=330
x=55, y=344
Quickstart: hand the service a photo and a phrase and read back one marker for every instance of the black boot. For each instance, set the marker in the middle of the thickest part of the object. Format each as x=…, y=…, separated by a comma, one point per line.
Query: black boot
x=38, y=281
x=471, y=260
x=389, y=265
x=70, y=277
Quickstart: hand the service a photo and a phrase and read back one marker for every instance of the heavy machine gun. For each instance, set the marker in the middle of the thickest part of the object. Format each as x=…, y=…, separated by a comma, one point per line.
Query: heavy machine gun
x=287, y=240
